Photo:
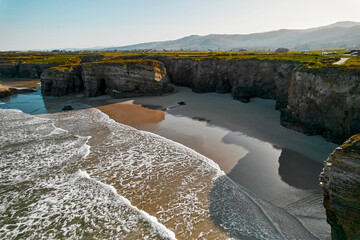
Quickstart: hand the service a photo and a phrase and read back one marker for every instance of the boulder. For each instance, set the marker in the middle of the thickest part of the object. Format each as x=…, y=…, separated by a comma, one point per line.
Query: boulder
x=67, y=108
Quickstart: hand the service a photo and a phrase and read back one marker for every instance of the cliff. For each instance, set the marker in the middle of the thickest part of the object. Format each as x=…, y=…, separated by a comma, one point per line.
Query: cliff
x=244, y=79
x=118, y=79
x=126, y=79
x=340, y=181
x=315, y=101
x=59, y=81
x=324, y=102
x=23, y=70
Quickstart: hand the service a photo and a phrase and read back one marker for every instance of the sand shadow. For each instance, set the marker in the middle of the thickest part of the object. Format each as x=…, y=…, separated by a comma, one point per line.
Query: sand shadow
x=299, y=171
x=264, y=166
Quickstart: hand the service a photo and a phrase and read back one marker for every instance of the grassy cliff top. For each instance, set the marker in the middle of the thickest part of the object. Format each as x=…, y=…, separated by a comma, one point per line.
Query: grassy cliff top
x=313, y=60
x=64, y=61
x=41, y=57
x=123, y=61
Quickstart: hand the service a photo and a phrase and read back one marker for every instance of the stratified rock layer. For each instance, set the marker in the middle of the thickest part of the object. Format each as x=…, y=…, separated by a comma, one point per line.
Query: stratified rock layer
x=326, y=103
x=244, y=79
x=121, y=79
x=58, y=82
x=323, y=101
x=23, y=70
x=341, y=183
x=128, y=79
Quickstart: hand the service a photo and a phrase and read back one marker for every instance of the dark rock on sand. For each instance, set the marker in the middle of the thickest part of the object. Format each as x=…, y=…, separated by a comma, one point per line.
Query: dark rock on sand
x=67, y=108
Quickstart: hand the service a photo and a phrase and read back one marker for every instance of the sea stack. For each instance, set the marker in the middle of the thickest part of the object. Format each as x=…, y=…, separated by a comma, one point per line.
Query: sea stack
x=340, y=181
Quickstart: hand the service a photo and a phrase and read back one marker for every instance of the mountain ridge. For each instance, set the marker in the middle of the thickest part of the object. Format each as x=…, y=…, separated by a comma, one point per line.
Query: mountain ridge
x=345, y=34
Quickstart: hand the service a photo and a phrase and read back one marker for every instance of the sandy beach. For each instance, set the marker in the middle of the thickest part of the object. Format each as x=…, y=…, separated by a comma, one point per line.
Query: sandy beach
x=20, y=83
x=246, y=140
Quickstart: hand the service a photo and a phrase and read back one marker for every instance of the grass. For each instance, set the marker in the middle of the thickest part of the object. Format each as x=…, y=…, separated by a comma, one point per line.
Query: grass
x=123, y=61
x=65, y=61
x=312, y=60
x=41, y=57
x=352, y=62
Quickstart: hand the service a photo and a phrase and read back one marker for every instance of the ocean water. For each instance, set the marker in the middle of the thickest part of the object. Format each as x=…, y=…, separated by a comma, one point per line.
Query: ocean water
x=81, y=175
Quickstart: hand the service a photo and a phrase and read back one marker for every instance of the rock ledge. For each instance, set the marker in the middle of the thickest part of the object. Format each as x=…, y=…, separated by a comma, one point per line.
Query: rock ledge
x=340, y=181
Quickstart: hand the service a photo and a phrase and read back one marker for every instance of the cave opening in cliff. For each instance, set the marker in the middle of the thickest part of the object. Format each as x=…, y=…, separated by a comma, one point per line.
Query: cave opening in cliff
x=102, y=87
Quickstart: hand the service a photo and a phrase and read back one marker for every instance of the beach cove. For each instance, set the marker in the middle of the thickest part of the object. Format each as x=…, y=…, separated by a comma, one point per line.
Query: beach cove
x=245, y=140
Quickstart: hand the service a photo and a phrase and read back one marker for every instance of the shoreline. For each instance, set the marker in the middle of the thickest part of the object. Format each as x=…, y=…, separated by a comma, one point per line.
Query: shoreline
x=277, y=164
x=245, y=140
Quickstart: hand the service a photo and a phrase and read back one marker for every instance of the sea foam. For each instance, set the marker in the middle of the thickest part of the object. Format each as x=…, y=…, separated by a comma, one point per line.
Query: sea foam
x=132, y=184
x=164, y=232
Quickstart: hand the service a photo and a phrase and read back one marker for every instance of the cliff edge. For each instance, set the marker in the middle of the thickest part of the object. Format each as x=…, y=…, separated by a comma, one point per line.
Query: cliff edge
x=340, y=181
x=324, y=102
x=124, y=78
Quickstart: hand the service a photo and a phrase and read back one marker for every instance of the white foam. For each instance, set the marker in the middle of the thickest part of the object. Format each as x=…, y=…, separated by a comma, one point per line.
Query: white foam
x=163, y=231
x=129, y=159
x=42, y=161
x=110, y=121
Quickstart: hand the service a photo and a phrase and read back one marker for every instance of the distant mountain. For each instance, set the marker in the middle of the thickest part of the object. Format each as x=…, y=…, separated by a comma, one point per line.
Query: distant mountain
x=337, y=35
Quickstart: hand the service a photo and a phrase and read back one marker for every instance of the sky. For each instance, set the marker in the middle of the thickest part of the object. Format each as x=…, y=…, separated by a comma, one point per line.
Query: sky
x=59, y=24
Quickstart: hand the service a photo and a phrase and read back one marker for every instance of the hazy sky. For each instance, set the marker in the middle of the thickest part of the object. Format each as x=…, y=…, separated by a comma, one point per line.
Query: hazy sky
x=49, y=24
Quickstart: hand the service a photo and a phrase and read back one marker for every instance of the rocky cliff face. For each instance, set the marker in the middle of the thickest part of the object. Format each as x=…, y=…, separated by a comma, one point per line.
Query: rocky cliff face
x=23, y=70
x=340, y=181
x=244, y=79
x=128, y=79
x=59, y=82
x=316, y=102
x=325, y=103
x=121, y=79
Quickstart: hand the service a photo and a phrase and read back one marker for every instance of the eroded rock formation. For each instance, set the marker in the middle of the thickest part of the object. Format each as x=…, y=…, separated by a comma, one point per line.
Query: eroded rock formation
x=23, y=70
x=324, y=102
x=128, y=79
x=118, y=79
x=244, y=79
x=340, y=181
x=59, y=82
x=314, y=101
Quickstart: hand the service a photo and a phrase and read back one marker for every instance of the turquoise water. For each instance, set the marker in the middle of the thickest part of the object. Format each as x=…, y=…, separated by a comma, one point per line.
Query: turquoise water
x=31, y=103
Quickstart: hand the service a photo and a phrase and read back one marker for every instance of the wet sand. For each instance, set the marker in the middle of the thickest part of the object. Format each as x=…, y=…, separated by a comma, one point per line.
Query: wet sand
x=20, y=83
x=131, y=114
x=3, y=88
x=249, y=144
x=245, y=140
